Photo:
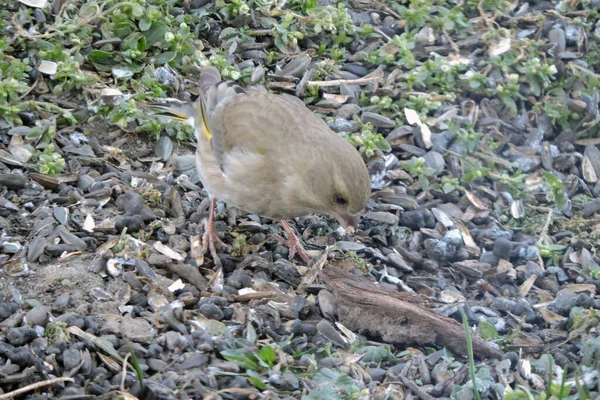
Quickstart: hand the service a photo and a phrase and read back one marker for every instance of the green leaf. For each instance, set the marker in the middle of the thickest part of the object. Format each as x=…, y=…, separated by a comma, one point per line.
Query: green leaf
x=487, y=331
x=122, y=71
x=255, y=379
x=164, y=58
x=102, y=60
x=145, y=24
x=88, y=10
x=375, y=354
x=137, y=10
x=156, y=33
x=267, y=354
x=242, y=357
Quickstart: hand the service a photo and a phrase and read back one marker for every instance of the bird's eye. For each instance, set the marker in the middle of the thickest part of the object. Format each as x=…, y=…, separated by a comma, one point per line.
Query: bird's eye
x=339, y=199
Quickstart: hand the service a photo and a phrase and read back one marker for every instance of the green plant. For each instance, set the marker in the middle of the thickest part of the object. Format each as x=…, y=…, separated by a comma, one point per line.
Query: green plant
x=557, y=191
x=417, y=166
x=49, y=162
x=286, y=33
x=13, y=84
x=138, y=371
x=470, y=353
x=539, y=74
x=367, y=141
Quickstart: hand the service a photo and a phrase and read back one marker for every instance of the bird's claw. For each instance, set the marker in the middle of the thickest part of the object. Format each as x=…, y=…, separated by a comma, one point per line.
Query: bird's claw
x=210, y=239
x=294, y=247
x=293, y=243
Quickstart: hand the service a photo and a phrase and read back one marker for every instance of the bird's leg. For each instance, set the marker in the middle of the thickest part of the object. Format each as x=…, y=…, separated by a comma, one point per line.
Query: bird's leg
x=293, y=243
x=210, y=238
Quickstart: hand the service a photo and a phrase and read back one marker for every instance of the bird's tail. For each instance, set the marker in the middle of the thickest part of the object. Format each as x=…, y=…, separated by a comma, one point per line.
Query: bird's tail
x=213, y=91
x=174, y=109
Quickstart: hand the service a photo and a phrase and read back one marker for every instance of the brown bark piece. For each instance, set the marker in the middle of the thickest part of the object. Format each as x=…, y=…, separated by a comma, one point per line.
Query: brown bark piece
x=368, y=308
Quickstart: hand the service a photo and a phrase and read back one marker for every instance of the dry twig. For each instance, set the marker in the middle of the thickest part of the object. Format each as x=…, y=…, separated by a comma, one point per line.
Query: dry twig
x=35, y=386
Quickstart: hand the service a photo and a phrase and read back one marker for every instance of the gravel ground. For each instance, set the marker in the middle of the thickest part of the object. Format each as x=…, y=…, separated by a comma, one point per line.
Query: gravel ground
x=478, y=123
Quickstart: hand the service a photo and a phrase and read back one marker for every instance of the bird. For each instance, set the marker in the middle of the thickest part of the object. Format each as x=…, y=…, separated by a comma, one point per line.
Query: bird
x=269, y=155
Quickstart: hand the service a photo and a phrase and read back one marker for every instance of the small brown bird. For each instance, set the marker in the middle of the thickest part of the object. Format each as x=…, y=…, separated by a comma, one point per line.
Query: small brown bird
x=269, y=155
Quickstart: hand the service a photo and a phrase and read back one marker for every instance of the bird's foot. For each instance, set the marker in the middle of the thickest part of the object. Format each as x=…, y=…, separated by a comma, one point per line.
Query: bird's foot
x=210, y=239
x=293, y=243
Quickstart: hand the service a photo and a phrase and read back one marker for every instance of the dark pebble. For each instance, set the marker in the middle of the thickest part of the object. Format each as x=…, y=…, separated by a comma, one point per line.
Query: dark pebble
x=133, y=223
x=7, y=309
x=211, y=311
x=71, y=358
x=22, y=335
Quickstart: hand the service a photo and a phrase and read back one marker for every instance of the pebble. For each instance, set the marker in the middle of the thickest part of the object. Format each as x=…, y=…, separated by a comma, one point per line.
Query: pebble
x=347, y=111
x=22, y=335
x=211, y=311
x=383, y=217
x=38, y=316
x=378, y=120
x=71, y=358
x=342, y=125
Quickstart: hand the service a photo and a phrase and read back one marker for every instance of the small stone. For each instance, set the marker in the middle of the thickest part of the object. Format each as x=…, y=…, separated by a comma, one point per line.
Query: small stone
x=377, y=374
x=137, y=329
x=195, y=361
x=347, y=111
x=71, y=358
x=38, y=316
x=22, y=335
x=184, y=163
x=384, y=217
x=211, y=311
x=417, y=219
x=239, y=279
x=132, y=203
x=378, y=120
x=11, y=247
x=341, y=125
x=7, y=309
x=157, y=365
x=557, y=36
x=563, y=303
x=435, y=161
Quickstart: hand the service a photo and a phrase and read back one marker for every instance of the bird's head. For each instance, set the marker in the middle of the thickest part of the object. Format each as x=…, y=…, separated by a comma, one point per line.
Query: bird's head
x=337, y=183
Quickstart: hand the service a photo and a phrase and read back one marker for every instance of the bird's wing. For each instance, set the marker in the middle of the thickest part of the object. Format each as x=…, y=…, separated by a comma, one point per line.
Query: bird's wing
x=263, y=123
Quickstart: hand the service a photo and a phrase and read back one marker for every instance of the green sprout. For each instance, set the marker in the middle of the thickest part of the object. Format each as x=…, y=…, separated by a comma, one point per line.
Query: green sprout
x=50, y=162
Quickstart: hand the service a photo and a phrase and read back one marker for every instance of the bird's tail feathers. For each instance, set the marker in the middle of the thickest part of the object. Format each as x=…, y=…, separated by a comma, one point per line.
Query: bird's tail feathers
x=214, y=90
x=174, y=109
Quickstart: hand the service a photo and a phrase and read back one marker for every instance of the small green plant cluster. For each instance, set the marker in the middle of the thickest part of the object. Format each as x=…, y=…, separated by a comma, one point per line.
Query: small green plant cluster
x=368, y=142
x=50, y=162
x=14, y=83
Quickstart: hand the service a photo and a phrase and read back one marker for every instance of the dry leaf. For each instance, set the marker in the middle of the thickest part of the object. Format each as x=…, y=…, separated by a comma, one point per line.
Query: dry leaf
x=587, y=169
x=450, y=297
x=413, y=119
x=34, y=3
x=177, y=285
x=551, y=317
x=499, y=47
x=583, y=287
x=89, y=224
x=527, y=285
x=517, y=209
x=167, y=251
x=48, y=67
x=477, y=203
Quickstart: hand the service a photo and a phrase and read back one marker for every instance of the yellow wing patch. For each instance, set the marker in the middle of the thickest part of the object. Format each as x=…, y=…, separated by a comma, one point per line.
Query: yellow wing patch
x=204, y=116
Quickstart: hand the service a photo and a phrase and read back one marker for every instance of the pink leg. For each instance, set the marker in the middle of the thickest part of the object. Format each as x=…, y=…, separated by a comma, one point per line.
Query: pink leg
x=293, y=243
x=210, y=238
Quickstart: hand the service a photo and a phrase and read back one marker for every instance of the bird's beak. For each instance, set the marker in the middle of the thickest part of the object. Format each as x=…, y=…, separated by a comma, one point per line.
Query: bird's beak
x=348, y=221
